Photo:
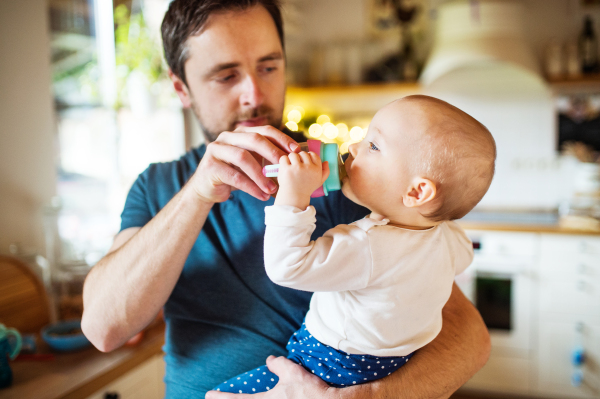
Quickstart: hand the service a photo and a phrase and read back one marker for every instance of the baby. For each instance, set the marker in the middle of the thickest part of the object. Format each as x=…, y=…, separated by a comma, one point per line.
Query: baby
x=379, y=283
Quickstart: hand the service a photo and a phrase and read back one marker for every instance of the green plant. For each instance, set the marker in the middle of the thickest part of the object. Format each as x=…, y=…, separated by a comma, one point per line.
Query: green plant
x=136, y=49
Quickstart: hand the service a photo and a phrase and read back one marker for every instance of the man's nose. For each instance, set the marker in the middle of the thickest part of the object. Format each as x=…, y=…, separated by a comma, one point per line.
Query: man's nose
x=252, y=95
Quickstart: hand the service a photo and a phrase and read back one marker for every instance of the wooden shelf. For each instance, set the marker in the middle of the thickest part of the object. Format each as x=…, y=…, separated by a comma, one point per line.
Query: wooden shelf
x=582, y=85
x=362, y=100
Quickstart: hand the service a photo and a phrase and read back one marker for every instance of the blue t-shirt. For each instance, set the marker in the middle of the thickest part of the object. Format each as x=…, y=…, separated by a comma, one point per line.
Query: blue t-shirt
x=224, y=315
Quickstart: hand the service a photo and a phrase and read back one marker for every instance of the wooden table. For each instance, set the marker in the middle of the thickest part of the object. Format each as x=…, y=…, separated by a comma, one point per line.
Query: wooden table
x=79, y=374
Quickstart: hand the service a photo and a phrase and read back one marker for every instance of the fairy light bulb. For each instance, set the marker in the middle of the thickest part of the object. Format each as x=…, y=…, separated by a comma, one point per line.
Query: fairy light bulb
x=342, y=130
x=293, y=126
x=323, y=119
x=330, y=131
x=294, y=116
x=315, y=130
x=356, y=133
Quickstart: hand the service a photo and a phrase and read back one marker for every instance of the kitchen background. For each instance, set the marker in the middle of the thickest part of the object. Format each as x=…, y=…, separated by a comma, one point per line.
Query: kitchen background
x=85, y=106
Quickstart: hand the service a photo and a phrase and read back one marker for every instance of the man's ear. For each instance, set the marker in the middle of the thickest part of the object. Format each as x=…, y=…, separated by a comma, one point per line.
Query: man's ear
x=420, y=192
x=181, y=89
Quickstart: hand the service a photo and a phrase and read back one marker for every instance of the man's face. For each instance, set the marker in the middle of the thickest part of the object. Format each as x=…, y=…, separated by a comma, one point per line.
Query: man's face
x=236, y=72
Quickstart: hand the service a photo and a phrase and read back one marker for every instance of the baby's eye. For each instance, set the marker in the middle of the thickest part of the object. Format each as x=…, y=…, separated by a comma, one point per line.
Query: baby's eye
x=373, y=146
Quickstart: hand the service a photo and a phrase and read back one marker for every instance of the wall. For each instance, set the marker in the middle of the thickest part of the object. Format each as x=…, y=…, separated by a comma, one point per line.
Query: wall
x=27, y=163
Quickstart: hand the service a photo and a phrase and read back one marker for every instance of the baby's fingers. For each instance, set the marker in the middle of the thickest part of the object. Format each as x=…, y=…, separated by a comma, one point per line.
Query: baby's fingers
x=305, y=157
x=314, y=158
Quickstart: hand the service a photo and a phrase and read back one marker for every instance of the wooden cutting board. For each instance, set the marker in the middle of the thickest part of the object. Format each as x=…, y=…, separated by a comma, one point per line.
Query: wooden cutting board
x=23, y=301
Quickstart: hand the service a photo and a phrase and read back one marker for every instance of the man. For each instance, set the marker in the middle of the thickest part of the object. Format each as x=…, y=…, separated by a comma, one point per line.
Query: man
x=192, y=230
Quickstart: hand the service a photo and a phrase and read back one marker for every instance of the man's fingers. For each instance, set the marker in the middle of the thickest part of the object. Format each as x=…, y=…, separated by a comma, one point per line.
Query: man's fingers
x=283, y=367
x=232, y=177
x=254, y=142
x=244, y=164
x=276, y=136
x=227, y=395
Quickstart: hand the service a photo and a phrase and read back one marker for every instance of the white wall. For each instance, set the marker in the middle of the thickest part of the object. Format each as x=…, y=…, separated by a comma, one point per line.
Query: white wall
x=27, y=140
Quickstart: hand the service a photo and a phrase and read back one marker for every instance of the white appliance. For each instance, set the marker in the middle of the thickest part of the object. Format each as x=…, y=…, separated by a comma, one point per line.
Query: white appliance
x=501, y=282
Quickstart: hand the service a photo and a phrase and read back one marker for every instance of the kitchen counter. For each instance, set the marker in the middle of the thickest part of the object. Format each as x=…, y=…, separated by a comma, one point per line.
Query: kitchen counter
x=520, y=221
x=522, y=227
x=79, y=374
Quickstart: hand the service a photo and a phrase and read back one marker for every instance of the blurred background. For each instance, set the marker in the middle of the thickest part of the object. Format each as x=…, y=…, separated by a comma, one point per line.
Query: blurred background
x=86, y=105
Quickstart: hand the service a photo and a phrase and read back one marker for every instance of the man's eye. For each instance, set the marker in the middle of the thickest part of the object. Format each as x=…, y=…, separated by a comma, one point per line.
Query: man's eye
x=373, y=146
x=269, y=69
x=226, y=78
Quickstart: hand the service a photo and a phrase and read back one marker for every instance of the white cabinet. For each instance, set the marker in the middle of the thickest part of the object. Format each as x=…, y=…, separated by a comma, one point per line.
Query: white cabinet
x=569, y=317
x=143, y=382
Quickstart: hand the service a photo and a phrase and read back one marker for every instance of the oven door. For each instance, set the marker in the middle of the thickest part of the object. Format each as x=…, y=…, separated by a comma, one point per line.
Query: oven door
x=503, y=295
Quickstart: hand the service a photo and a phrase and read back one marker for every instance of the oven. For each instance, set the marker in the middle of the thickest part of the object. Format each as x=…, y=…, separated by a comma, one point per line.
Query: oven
x=501, y=282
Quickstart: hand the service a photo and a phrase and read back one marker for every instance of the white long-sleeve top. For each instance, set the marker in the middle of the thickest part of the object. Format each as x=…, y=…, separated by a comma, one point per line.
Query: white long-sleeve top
x=379, y=289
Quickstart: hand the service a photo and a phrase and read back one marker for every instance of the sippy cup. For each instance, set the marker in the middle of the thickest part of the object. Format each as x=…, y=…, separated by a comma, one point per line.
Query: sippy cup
x=327, y=152
x=10, y=345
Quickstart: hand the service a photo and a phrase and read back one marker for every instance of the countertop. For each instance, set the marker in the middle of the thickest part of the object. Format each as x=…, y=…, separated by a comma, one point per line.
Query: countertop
x=527, y=228
x=531, y=221
x=79, y=374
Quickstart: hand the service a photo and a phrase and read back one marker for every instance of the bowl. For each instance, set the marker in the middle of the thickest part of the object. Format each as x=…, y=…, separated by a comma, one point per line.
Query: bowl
x=65, y=336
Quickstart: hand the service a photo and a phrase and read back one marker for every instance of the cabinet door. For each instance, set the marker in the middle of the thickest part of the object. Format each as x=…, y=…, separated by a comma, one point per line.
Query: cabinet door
x=559, y=337
x=143, y=382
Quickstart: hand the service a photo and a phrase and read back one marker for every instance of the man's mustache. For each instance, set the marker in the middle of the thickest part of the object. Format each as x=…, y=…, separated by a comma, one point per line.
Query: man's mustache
x=260, y=112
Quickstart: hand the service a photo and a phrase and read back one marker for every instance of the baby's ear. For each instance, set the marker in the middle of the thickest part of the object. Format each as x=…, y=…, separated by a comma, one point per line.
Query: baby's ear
x=420, y=192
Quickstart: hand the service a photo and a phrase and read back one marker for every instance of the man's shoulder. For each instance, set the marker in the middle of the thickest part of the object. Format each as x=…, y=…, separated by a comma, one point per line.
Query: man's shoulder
x=177, y=171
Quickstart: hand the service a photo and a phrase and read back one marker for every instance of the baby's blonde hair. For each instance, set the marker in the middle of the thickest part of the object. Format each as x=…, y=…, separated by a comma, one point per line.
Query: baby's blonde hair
x=458, y=155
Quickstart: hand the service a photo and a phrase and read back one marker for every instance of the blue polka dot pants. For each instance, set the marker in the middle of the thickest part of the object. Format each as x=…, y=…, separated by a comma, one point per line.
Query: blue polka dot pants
x=337, y=368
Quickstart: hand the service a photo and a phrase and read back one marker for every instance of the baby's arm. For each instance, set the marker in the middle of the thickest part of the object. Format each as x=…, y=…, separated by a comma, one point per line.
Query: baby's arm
x=340, y=260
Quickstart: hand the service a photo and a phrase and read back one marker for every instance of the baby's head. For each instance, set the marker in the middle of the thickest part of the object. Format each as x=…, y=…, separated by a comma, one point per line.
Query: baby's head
x=423, y=161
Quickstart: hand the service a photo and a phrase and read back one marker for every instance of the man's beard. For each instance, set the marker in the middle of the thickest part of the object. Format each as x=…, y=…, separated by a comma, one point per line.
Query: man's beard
x=262, y=111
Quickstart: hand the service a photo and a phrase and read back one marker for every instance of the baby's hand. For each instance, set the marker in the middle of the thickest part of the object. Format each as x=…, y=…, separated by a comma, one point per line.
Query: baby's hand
x=300, y=175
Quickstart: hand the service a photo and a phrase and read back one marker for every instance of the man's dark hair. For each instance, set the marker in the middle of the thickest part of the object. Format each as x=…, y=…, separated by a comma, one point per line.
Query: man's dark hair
x=186, y=18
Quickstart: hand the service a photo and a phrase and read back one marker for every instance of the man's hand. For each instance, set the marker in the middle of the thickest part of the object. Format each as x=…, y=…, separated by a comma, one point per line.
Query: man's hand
x=232, y=162
x=294, y=383
x=300, y=175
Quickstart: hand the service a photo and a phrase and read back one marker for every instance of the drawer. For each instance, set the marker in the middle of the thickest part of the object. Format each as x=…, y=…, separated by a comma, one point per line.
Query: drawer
x=143, y=382
x=556, y=345
x=564, y=264
x=557, y=243
x=570, y=295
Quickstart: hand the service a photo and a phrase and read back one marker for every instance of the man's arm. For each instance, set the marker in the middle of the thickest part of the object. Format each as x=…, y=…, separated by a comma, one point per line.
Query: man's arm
x=438, y=369
x=127, y=288
x=434, y=372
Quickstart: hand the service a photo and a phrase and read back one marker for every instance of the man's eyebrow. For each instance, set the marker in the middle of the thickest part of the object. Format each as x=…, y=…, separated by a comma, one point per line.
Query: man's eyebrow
x=276, y=55
x=220, y=67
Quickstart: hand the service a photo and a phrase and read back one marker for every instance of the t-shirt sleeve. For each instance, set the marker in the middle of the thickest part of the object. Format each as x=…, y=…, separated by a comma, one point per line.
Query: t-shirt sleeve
x=462, y=248
x=340, y=260
x=137, y=210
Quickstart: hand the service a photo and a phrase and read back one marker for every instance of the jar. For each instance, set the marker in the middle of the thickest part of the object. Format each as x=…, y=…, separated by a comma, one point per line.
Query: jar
x=328, y=152
x=68, y=285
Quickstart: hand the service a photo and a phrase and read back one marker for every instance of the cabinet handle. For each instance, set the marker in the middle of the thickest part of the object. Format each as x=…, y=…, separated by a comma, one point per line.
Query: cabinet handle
x=112, y=395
